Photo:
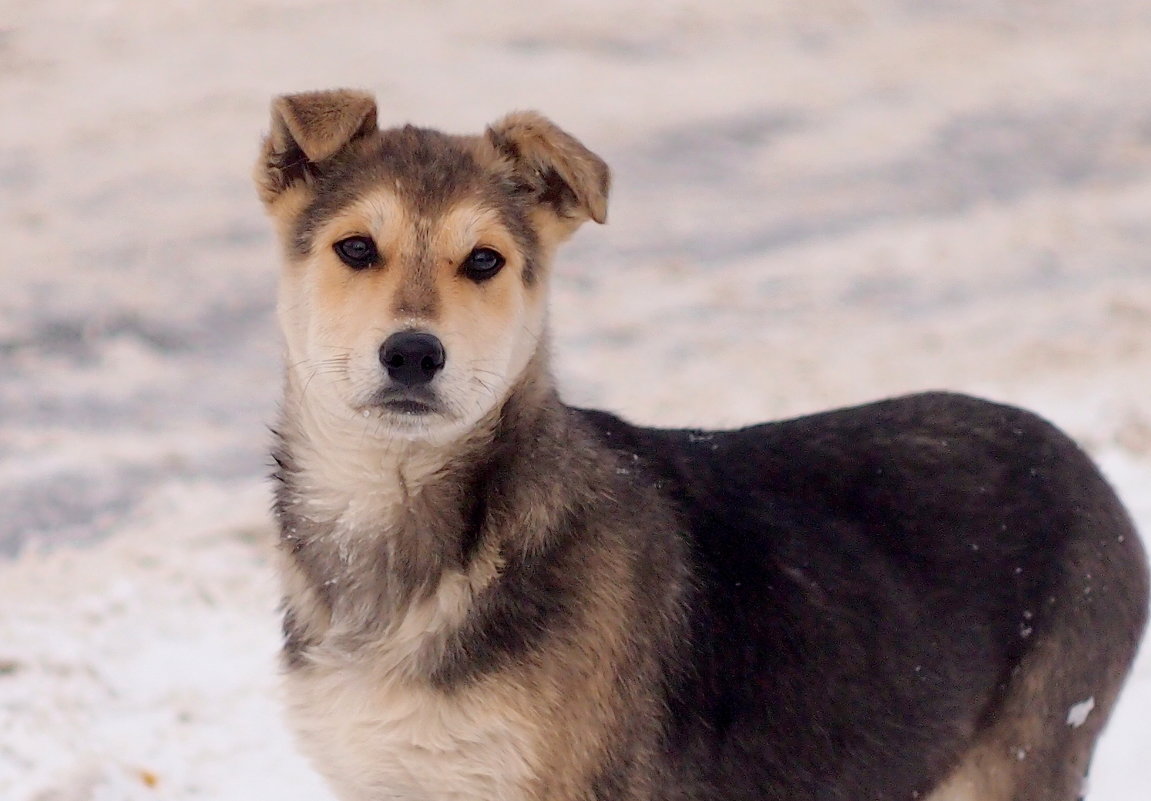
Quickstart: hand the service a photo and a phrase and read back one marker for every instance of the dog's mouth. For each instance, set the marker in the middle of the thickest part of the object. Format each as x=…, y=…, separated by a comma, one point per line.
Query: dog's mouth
x=409, y=407
x=407, y=401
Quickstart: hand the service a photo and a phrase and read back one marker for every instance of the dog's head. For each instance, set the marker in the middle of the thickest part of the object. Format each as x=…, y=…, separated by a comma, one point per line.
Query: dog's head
x=416, y=262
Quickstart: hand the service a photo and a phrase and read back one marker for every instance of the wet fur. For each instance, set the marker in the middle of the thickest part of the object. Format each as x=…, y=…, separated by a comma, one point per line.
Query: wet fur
x=523, y=600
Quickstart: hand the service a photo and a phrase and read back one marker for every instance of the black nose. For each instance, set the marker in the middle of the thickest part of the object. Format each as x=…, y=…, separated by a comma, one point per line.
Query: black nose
x=412, y=357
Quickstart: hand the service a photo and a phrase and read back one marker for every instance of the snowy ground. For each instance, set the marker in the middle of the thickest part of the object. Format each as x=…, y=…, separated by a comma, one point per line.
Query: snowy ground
x=818, y=202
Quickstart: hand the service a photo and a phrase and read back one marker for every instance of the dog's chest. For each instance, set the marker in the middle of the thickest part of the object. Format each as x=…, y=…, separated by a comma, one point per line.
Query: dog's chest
x=377, y=729
x=378, y=736
x=358, y=699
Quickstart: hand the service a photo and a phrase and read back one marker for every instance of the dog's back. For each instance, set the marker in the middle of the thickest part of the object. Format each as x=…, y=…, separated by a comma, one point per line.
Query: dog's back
x=888, y=592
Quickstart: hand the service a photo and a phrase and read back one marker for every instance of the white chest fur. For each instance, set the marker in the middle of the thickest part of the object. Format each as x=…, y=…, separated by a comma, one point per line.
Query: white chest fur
x=377, y=729
x=377, y=735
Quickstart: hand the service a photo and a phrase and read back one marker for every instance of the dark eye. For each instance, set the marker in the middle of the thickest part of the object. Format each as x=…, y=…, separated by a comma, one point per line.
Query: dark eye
x=482, y=263
x=357, y=252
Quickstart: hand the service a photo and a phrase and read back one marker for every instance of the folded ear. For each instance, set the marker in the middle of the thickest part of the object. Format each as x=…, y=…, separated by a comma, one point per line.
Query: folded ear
x=308, y=129
x=567, y=175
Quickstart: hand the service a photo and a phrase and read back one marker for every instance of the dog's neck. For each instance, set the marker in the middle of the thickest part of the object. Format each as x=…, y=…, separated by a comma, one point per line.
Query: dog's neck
x=353, y=477
x=379, y=523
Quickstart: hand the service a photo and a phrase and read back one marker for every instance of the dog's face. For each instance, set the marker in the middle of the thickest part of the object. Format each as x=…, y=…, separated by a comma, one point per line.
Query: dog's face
x=413, y=291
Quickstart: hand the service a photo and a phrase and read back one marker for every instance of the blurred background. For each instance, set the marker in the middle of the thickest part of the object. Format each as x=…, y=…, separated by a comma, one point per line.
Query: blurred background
x=816, y=202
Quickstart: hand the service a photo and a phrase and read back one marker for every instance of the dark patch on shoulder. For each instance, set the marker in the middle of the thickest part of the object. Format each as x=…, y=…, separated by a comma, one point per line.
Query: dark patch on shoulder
x=475, y=513
x=533, y=599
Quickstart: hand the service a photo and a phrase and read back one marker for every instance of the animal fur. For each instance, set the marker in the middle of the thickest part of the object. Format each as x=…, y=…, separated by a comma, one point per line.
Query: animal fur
x=489, y=595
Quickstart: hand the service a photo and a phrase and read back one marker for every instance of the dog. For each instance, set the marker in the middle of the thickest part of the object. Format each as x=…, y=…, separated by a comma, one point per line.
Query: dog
x=492, y=596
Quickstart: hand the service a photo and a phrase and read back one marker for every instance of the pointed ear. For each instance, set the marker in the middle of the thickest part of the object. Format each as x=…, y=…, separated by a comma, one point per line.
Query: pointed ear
x=566, y=174
x=308, y=129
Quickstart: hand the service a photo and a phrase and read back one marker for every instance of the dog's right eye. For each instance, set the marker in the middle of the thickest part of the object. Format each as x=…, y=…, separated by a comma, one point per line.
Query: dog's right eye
x=357, y=252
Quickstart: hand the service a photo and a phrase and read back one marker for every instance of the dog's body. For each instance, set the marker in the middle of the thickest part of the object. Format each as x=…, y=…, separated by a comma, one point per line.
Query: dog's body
x=491, y=595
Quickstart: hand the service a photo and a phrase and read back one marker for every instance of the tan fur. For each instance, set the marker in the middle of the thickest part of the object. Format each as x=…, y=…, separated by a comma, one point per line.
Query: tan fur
x=982, y=776
x=322, y=122
x=335, y=322
x=369, y=720
x=317, y=124
x=372, y=724
x=379, y=578
x=1032, y=745
x=583, y=684
x=363, y=710
x=542, y=145
x=532, y=733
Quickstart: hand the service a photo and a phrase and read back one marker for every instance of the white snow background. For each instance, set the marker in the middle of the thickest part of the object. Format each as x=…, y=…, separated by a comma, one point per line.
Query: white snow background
x=817, y=202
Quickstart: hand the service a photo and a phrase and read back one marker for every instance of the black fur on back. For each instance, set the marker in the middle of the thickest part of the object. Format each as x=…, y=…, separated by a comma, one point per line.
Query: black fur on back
x=866, y=582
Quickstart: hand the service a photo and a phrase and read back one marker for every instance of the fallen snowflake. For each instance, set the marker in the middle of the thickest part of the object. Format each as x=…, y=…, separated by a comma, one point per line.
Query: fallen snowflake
x=1077, y=714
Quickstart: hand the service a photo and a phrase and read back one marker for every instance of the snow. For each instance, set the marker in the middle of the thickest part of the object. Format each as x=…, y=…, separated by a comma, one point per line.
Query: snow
x=1078, y=713
x=817, y=202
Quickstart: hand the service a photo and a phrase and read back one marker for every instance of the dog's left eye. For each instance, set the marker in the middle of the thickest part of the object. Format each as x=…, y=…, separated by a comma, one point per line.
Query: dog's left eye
x=482, y=263
x=357, y=252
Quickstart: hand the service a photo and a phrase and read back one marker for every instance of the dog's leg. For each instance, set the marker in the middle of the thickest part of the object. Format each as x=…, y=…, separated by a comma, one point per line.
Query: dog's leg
x=1040, y=735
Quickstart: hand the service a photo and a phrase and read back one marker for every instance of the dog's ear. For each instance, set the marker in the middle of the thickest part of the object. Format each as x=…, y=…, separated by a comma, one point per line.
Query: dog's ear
x=568, y=176
x=308, y=129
